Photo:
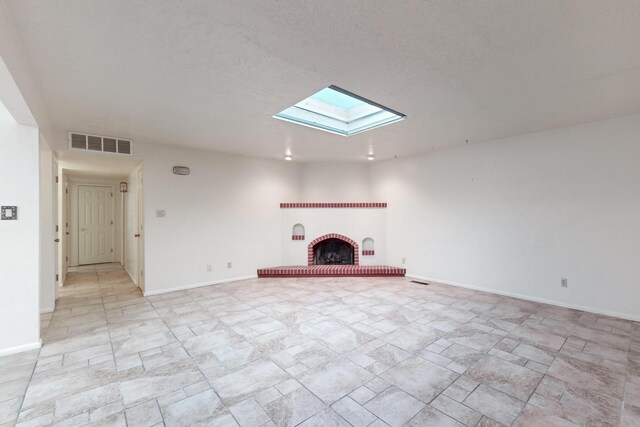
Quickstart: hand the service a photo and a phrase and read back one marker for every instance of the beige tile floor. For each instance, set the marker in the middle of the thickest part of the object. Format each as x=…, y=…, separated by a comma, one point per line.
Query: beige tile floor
x=319, y=352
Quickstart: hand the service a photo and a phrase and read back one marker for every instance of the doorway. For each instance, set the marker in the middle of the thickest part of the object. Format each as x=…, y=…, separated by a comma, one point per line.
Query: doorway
x=96, y=231
x=101, y=211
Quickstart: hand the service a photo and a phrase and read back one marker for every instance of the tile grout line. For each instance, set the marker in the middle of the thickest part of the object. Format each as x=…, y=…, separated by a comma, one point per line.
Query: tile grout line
x=194, y=362
x=27, y=386
x=323, y=308
x=113, y=353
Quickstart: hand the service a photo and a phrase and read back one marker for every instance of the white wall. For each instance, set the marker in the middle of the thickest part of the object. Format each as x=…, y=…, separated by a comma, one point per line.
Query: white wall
x=227, y=210
x=356, y=224
x=20, y=248
x=515, y=216
x=19, y=91
x=335, y=182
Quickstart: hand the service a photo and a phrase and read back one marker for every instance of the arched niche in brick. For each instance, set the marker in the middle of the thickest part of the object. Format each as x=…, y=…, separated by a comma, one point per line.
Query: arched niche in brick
x=297, y=232
x=368, y=246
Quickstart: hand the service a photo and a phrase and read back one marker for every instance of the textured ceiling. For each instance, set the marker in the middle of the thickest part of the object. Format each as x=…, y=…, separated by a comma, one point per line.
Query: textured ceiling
x=210, y=74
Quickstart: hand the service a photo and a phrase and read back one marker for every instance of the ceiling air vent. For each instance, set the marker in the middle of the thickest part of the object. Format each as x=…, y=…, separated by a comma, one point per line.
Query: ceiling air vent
x=109, y=145
x=104, y=144
x=124, y=146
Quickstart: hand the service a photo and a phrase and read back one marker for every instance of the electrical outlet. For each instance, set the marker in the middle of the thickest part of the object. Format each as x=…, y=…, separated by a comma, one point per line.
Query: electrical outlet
x=209, y=268
x=229, y=264
x=160, y=213
x=563, y=282
x=404, y=260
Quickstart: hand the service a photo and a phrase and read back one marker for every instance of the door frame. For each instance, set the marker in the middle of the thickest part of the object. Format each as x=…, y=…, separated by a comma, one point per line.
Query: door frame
x=74, y=237
x=140, y=228
x=57, y=230
x=66, y=213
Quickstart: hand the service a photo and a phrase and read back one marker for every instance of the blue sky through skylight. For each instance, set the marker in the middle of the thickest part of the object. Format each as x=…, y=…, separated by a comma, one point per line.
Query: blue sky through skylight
x=338, y=99
x=338, y=111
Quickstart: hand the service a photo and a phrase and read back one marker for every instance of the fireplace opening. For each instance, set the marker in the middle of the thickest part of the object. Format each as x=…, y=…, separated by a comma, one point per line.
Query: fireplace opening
x=333, y=252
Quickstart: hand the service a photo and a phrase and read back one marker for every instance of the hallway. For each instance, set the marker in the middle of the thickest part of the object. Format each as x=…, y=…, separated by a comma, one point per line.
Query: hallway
x=75, y=338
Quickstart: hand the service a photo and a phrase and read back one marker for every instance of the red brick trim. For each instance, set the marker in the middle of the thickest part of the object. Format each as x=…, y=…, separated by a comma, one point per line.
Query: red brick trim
x=333, y=205
x=297, y=237
x=367, y=252
x=356, y=252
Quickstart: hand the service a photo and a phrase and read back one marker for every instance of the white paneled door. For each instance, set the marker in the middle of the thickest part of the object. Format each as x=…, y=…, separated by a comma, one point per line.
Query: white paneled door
x=95, y=222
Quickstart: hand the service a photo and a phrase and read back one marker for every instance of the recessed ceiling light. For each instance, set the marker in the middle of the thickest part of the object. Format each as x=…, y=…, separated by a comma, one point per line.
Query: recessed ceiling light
x=288, y=157
x=339, y=111
x=371, y=157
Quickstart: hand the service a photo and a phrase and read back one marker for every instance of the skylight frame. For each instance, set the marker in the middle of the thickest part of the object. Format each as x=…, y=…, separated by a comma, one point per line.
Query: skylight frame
x=327, y=117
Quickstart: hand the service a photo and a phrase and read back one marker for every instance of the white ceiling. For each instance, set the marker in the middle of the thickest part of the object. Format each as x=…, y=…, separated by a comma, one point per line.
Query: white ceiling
x=210, y=74
x=79, y=164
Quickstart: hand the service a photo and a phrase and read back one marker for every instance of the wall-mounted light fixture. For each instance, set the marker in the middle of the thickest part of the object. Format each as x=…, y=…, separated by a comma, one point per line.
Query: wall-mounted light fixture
x=123, y=187
x=371, y=157
x=288, y=157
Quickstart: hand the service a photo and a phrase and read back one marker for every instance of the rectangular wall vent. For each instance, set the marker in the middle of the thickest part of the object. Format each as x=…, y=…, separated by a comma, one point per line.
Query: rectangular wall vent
x=104, y=144
x=109, y=145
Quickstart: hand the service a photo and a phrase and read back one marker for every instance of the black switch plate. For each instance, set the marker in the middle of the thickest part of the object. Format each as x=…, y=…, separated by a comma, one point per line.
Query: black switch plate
x=9, y=213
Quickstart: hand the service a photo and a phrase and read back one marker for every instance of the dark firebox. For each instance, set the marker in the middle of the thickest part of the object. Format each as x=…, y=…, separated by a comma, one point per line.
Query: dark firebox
x=333, y=252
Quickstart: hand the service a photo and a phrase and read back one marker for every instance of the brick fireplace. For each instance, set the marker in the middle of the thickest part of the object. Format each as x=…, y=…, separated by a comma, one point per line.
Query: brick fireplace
x=315, y=246
x=348, y=234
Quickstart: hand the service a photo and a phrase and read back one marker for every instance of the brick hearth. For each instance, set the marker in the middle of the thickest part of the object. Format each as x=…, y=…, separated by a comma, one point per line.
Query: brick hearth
x=331, y=270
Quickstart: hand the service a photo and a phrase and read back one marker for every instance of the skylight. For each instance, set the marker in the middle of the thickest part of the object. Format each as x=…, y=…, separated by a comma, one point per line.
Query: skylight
x=339, y=111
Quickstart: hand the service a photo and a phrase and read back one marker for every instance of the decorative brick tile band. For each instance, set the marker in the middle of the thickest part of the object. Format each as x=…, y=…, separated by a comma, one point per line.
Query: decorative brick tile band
x=366, y=252
x=333, y=205
x=356, y=259
x=332, y=271
x=294, y=237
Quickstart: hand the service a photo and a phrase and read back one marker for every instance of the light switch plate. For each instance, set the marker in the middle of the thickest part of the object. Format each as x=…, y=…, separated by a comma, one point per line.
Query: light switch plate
x=9, y=213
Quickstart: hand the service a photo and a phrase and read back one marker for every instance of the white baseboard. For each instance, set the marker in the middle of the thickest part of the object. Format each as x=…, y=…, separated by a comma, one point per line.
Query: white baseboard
x=21, y=348
x=47, y=310
x=528, y=298
x=200, y=285
x=129, y=274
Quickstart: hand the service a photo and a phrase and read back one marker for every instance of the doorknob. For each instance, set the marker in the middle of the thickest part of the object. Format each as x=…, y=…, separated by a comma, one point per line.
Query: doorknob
x=57, y=240
x=136, y=235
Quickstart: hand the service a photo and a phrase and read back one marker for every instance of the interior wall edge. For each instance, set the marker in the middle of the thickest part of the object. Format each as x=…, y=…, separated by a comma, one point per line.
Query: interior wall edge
x=200, y=285
x=21, y=348
x=526, y=297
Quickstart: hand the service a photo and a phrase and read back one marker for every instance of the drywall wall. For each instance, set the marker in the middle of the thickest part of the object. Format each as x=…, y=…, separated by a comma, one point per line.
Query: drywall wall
x=335, y=182
x=20, y=251
x=226, y=210
x=25, y=104
x=515, y=216
x=354, y=223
